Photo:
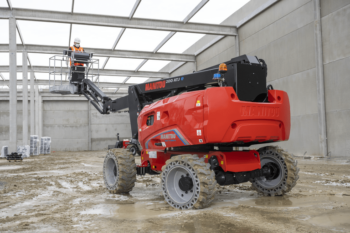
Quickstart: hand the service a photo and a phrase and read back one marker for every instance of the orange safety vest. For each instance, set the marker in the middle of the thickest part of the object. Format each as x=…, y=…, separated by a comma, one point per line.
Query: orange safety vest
x=80, y=49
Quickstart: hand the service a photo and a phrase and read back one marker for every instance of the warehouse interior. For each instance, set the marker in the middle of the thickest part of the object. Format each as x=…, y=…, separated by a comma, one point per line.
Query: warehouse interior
x=303, y=42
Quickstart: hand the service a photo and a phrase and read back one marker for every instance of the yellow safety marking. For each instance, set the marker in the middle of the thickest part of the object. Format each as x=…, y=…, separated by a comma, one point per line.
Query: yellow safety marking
x=153, y=167
x=146, y=152
x=206, y=156
x=198, y=101
x=222, y=162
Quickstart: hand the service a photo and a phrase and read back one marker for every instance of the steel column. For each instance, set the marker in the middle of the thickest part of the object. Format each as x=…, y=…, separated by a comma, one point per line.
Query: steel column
x=25, y=99
x=32, y=110
x=322, y=123
x=13, y=86
x=237, y=45
x=36, y=110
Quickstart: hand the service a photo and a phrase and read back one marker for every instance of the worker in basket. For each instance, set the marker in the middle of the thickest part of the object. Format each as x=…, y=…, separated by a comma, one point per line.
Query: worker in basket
x=76, y=48
x=77, y=69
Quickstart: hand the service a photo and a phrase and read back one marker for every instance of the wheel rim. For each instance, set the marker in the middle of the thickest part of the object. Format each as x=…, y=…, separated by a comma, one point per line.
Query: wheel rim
x=276, y=174
x=133, y=150
x=178, y=184
x=111, y=171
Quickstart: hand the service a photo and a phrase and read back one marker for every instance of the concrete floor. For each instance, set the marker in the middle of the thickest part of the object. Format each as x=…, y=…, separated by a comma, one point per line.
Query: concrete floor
x=64, y=192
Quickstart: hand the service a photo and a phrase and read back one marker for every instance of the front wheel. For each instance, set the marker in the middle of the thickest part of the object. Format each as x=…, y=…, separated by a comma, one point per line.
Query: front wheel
x=187, y=182
x=282, y=172
x=119, y=171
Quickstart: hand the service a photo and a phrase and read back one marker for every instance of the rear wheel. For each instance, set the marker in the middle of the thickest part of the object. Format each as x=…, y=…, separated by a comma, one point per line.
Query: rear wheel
x=282, y=172
x=119, y=171
x=133, y=149
x=188, y=182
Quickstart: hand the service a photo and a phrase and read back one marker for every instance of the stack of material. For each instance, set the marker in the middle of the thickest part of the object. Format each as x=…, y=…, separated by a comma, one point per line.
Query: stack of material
x=4, y=152
x=14, y=156
x=24, y=151
x=34, y=145
x=45, y=145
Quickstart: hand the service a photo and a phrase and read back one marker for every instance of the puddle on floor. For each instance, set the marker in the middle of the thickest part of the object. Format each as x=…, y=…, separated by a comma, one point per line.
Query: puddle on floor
x=335, y=221
x=3, y=168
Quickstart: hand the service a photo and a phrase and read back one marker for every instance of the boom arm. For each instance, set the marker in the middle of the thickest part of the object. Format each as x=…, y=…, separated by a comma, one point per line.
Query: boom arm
x=246, y=74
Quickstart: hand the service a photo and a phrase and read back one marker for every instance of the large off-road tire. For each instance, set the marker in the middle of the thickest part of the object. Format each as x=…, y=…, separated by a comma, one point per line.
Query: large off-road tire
x=119, y=171
x=187, y=182
x=133, y=149
x=285, y=174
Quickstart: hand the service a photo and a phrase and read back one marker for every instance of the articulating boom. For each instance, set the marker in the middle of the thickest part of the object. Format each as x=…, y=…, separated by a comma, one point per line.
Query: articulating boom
x=246, y=74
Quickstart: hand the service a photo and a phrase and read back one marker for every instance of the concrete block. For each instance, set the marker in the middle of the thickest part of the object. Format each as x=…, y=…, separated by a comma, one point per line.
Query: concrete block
x=304, y=136
x=330, y=6
x=269, y=16
x=218, y=48
x=110, y=131
x=113, y=118
x=65, y=105
x=65, y=117
x=61, y=144
x=290, y=54
x=66, y=131
x=338, y=125
x=285, y=25
x=302, y=92
x=337, y=84
x=335, y=34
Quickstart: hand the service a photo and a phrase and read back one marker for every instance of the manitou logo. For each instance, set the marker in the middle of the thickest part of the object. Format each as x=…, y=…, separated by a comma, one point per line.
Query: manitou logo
x=154, y=86
x=168, y=136
x=260, y=111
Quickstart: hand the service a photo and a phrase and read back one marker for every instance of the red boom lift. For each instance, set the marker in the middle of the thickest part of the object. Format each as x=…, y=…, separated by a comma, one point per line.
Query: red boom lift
x=190, y=130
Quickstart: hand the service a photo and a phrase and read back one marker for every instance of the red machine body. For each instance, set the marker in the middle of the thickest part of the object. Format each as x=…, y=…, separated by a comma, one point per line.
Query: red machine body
x=213, y=116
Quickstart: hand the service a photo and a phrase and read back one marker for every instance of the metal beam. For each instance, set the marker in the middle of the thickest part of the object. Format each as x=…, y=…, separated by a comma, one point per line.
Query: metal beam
x=114, y=21
x=46, y=83
x=13, y=86
x=136, y=5
x=256, y=12
x=32, y=109
x=25, y=100
x=322, y=122
x=114, y=46
x=160, y=45
x=104, y=52
x=150, y=74
x=195, y=10
x=211, y=43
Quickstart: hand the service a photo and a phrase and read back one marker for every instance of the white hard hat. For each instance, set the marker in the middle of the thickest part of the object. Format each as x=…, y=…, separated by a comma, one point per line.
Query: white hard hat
x=77, y=40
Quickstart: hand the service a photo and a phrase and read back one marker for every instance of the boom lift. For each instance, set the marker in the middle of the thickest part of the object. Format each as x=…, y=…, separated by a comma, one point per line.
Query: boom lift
x=191, y=129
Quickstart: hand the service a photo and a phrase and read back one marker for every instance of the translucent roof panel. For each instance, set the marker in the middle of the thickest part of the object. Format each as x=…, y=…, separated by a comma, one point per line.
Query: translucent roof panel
x=5, y=59
x=154, y=65
x=4, y=87
x=104, y=7
x=45, y=76
x=42, y=59
x=136, y=80
x=216, y=11
x=175, y=10
x=4, y=38
x=95, y=36
x=141, y=40
x=112, y=79
x=123, y=63
x=43, y=33
x=3, y=3
x=180, y=42
x=7, y=76
x=50, y=5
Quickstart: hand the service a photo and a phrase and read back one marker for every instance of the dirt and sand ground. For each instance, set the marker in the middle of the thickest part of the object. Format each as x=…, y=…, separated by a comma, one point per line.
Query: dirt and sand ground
x=64, y=192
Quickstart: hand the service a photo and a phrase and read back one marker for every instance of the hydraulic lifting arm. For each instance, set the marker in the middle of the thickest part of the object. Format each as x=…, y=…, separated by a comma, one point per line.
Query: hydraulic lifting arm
x=246, y=74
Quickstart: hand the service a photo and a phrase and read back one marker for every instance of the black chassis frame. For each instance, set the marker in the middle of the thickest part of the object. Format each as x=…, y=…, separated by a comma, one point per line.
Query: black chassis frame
x=246, y=74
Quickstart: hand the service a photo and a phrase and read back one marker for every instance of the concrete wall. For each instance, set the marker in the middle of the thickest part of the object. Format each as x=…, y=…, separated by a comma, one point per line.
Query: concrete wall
x=67, y=123
x=336, y=57
x=283, y=35
x=4, y=123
